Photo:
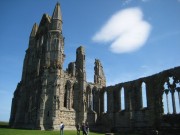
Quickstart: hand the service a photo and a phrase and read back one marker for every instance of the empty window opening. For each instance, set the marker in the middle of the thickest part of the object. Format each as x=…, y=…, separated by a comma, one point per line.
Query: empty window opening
x=178, y=96
x=177, y=102
x=170, y=103
x=93, y=100
x=48, y=114
x=167, y=100
x=122, y=97
x=172, y=100
x=165, y=103
x=144, y=95
x=88, y=90
x=65, y=97
x=105, y=102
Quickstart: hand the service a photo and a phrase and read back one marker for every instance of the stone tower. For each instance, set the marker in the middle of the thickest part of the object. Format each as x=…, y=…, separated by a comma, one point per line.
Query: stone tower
x=99, y=77
x=47, y=94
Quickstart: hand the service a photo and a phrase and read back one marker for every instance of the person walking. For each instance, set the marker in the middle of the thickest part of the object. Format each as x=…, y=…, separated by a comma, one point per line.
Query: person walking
x=87, y=128
x=84, y=129
x=61, y=128
x=78, y=129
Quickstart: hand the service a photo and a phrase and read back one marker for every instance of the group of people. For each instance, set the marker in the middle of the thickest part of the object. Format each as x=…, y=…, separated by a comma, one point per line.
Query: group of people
x=84, y=127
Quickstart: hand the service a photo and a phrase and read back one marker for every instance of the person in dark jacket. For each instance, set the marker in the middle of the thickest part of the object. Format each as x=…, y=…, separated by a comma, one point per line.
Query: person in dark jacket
x=84, y=129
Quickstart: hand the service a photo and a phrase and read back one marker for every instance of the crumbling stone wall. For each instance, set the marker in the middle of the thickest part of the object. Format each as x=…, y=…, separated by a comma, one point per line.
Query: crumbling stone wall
x=135, y=116
x=47, y=94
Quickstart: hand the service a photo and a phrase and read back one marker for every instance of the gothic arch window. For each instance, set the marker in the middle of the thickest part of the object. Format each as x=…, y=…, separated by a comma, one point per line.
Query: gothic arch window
x=105, y=101
x=177, y=96
x=144, y=95
x=171, y=102
x=42, y=40
x=48, y=114
x=38, y=43
x=166, y=99
x=73, y=90
x=130, y=106
x=67, y=95
x=95, y=100
x=89, y=96
x=93, y=103
x=122, y=98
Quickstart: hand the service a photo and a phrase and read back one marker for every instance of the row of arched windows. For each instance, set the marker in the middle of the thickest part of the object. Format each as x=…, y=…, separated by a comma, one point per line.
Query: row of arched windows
x=122, y=98
x=171, y=97
x=91, y=100
x=69, y=93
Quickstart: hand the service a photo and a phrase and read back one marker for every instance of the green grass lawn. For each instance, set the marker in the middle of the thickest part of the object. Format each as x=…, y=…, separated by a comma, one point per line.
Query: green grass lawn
x=8, y=131
x=4, y=130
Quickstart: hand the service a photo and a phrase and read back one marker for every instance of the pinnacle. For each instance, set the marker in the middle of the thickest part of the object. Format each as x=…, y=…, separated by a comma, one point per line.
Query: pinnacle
x=57, y=12
x=34, y=30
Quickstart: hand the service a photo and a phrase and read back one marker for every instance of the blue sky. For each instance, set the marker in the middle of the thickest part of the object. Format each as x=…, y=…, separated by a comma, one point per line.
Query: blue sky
x=87, y=23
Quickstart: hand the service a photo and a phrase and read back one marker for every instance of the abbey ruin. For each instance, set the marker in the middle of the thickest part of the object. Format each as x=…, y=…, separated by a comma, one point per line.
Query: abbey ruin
x=47, y=94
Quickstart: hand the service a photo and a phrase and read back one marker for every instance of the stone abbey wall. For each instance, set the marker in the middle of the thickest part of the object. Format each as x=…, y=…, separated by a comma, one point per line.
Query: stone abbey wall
x=135, y=116
x=47, y=94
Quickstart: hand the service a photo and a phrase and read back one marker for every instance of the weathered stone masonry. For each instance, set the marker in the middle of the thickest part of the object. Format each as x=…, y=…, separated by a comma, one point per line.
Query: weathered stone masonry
x=47, y=94
x=135, y=117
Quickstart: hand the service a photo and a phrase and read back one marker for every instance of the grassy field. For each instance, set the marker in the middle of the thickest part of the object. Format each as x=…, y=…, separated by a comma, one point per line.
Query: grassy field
x=5, y=130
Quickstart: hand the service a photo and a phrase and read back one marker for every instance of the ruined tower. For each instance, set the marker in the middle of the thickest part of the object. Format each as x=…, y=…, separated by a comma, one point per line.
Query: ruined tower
x=47, y=94
x=99, y=77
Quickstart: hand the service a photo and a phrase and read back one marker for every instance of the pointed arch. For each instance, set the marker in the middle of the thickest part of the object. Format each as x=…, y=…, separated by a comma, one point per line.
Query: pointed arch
x=170, y=102
x=73, y=90
x=177, y=96
x=177, y=101
x=144, y=95
x=167, y=99
x=122, y=98
x=105, y=102
x=164, y=100
x=75, y=96
x=67, y=95
x=94, y=103
x=88, y=95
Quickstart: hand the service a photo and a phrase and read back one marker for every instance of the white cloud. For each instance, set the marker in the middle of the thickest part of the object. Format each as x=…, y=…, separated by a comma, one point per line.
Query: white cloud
x=125, y=30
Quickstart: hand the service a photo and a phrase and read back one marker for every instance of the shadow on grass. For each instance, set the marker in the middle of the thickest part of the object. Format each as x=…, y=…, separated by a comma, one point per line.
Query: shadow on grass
x=4, y=125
